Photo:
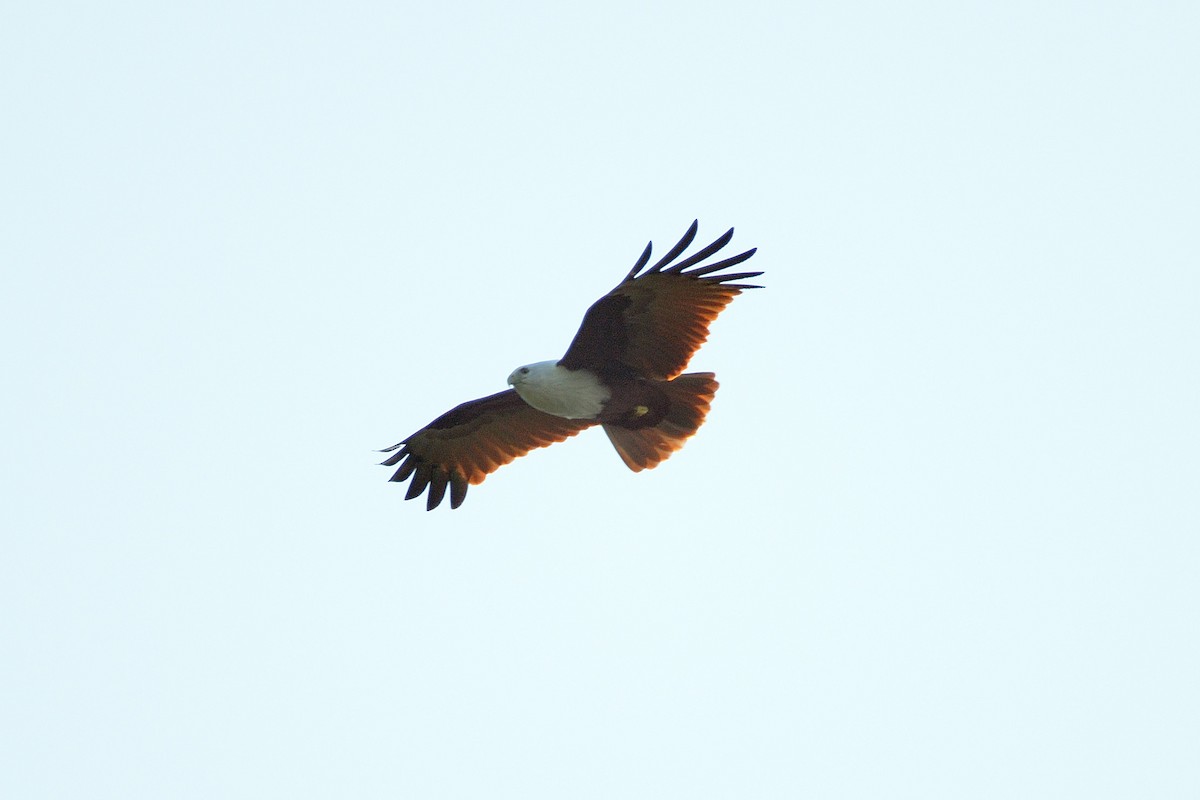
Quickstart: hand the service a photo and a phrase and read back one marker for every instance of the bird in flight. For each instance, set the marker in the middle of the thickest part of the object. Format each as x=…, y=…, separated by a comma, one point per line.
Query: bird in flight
x=622, y=372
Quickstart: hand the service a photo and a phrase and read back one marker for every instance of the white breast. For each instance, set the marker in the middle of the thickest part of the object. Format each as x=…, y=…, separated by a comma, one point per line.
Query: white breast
x=573, y=394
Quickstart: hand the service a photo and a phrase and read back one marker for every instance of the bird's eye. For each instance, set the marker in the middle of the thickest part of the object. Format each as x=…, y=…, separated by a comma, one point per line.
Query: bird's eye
x=524, y=370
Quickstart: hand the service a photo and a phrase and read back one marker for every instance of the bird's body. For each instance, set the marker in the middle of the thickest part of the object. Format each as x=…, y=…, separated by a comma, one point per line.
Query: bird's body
x=621, y=371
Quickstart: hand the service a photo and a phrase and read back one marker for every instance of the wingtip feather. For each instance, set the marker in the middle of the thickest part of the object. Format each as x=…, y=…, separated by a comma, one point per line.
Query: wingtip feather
x=641, y=262
x=679, y=247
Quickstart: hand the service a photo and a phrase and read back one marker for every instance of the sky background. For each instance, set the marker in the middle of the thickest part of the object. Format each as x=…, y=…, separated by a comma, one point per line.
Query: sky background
x=937, y=539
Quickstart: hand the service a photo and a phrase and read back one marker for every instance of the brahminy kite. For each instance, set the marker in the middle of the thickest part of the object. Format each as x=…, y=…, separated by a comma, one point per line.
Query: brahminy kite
x=622, y=372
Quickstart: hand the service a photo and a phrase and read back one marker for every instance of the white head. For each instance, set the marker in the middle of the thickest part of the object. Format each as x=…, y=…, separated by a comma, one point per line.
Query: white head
x=533, y=374
x=570, y=393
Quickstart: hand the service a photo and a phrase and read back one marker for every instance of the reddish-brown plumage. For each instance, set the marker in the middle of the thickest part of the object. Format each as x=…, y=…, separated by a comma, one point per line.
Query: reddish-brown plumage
x=637, y=339
x=653, y=323
x=689, y=397
x=465, y=445
x=672, y=319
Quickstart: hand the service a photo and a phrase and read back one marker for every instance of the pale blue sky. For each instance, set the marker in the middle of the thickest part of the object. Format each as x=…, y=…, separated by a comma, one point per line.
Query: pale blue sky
x=937, y=539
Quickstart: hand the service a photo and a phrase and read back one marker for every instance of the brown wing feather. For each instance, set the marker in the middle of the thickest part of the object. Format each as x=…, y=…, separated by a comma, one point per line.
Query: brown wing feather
x=471, y=441
x=653, y=322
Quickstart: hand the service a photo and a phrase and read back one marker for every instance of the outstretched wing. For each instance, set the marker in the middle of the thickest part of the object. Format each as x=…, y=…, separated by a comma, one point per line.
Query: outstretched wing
x=468, y=443
x=654, y=322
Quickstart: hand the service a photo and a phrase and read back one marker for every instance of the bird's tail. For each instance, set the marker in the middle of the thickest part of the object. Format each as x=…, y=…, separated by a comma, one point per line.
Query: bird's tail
x=689, y=397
